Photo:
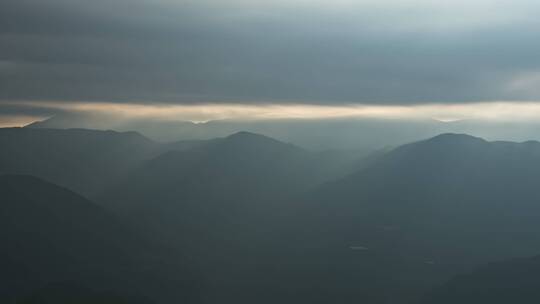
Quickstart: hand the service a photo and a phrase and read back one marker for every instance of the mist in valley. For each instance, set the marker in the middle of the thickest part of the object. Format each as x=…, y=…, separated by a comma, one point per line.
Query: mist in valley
x=209, y=152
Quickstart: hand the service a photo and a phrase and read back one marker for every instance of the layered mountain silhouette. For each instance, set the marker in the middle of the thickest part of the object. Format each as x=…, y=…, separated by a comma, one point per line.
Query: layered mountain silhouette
x=158, y=129
x=478, y=198
x=224, y=203
x=86, y=161
x=428, y=210
x=363, y=135
x=53, y=237
x=255, y=216
x=226, y=189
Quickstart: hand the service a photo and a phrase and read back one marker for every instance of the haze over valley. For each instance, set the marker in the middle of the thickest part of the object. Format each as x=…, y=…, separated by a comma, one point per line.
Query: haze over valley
x=231, y=218
x=264, y=152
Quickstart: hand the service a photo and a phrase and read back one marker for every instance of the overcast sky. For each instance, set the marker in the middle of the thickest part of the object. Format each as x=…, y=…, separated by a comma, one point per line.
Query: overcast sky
x=375, y=52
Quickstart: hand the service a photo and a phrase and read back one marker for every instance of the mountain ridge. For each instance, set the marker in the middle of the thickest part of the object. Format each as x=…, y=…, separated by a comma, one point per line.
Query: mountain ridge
x=52, y=235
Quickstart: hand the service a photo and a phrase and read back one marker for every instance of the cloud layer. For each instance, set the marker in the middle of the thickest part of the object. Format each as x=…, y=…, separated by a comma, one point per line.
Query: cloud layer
x=486, y=112
x=279, y=52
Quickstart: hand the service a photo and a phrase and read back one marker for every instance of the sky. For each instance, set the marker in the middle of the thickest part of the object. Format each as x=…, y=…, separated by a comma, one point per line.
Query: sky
x=208, y=59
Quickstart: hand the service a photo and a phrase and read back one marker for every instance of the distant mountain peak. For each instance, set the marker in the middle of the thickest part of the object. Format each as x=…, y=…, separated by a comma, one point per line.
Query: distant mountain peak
x=441, y=145
x=249, y=138
x=455, y=137
x=248, y=135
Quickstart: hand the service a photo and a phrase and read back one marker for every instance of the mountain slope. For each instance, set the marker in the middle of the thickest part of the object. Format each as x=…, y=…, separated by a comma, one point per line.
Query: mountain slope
x=459, y=186
x=222, y=181
x=52, y=235
x=155, y=129
x=426, y=211
x=82, y=160
x=223, y=204
x=86, y=161
x=512, y=281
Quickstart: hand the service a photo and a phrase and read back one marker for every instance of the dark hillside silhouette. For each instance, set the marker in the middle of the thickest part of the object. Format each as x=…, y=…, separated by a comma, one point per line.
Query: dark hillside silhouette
x=51, y=235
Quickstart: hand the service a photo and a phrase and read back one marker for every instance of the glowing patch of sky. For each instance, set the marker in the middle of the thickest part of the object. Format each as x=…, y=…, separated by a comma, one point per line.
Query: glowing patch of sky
x=488, y=111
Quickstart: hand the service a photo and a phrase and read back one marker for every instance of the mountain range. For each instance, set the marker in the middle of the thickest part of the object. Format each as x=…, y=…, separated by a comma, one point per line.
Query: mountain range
x=260, y=220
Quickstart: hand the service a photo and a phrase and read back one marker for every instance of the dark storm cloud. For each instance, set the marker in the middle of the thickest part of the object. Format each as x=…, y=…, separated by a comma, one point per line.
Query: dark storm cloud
x=254, y=51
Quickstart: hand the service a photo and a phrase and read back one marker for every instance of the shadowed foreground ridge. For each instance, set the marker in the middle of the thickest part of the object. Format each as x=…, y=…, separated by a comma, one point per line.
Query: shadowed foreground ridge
x=53, y=237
